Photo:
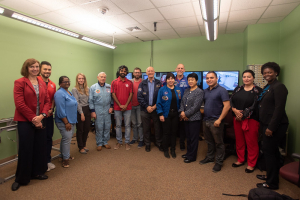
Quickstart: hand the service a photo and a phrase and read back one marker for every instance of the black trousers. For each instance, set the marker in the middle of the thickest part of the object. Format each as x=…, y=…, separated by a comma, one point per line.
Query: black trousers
x=182, y=132
x=271, y=152
x=32, y=159
x=83, y=127
x=170, y=128
x=146, y=121
x=49, y=123
x=192, y=129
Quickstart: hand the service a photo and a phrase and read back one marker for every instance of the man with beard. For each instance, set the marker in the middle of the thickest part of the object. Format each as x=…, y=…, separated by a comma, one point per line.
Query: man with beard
x=136, y=110
x=45, y=73
x=121, y=89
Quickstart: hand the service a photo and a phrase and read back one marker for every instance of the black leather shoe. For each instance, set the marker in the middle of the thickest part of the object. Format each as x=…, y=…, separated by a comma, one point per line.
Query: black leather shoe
x=188, y=161
x=147, y=148
x=167, y=155
x=40, y=177
x=183, y=156
x=265, y=185
x=261, y=177
x=236, y=165
x=173, y=154
x=15, y=186
x=249, y=170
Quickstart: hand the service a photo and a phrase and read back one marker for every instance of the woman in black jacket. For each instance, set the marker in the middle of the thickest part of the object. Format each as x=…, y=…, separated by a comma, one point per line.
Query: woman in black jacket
x=273, y=123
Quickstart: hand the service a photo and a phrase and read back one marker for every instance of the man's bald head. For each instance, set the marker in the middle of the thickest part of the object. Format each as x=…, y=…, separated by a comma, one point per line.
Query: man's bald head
x=150, y=72
x=180, y=70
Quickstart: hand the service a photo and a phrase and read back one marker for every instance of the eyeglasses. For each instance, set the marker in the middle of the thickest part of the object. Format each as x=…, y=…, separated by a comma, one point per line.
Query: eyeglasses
x=66, y=82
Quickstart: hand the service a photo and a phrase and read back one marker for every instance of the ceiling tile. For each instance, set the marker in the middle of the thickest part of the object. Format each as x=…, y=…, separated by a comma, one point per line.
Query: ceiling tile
x=221, y=32
x=197, y=9
x=79, y=27
x=167, y=37
x=96, y=6
x=183, y=22
x=76, y=13
x=190, y=35
x=145, y=35
x=125, y=37
x=202, y=29
x=124, y=28
x=270, y=20
x=223, y=17
x=25, y=7
x=119, y=42
x=132, y=41
x=280, y=10
x=55, y=18
x=161, y=25
x=246, y=4
x=151, y=15
x=133, y=5
x=277, y=2
x=222, y=26
x=108, y=40
x=94, y=34
x=177, y=11
x=243, y=15
x=111, y=30
x=163, y=33
x=188, y=30
x=200, y=20
x=121, y=20
x=161, y=3
x=53, y=4
x=225, y=5
x=235, y=31
x=239, y=25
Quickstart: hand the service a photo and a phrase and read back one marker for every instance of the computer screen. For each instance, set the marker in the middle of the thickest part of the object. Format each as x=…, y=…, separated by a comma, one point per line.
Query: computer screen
x=129, y=76
x=227, y=79
x=158, y=75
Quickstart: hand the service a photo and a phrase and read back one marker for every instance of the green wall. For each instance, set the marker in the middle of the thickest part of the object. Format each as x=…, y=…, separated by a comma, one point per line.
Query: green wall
x=289, y=61
x=68, y=56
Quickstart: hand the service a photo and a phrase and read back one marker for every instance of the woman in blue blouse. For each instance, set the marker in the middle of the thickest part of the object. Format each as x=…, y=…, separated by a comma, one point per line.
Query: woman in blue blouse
x=168, y=103
x=65, y=117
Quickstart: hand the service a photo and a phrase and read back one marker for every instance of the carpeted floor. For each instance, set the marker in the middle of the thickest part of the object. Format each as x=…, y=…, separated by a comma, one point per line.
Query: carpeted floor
x=137, y=174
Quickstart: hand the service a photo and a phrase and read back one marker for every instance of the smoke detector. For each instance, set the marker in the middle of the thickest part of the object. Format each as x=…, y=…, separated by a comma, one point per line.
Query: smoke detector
x=133, y=29
x=103, y=10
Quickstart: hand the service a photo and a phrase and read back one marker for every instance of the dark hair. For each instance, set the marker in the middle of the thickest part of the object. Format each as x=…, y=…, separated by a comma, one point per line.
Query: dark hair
x=123, y=67
x=193, y=75
x=26, y=64
x=212, y=72
x=249, y=71
x=271, y=65
x=137, y=68
x=170, y=75
x=61, y=79
x=45, y=63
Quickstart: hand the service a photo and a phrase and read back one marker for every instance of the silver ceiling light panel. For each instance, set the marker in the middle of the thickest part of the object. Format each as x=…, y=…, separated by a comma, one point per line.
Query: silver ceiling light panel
x=98, y=42
x=210, y=14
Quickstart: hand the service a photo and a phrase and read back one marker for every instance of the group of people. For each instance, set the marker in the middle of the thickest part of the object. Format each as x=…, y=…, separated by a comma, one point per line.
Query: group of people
x=173, y=109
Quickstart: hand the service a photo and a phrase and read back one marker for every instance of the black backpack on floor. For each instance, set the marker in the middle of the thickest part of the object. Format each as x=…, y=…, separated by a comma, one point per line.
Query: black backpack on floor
x=266, y=194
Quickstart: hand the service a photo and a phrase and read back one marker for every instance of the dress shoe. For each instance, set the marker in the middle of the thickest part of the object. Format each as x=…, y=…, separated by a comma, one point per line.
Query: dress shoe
x=249, y=170
x=147, y=148
x=183, y=156
x=15, y=186
x=99, y=148
x=167, y=155
x=107, y=146
x=265, y=185
x=237, y=165
x=188, y=161
x=40, y=177
x=173, y=154
x=261, y=177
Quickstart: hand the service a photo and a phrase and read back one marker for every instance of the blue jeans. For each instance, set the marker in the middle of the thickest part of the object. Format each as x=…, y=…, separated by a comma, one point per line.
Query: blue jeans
x=118, y=116
x=136, y=121
x=65, y=140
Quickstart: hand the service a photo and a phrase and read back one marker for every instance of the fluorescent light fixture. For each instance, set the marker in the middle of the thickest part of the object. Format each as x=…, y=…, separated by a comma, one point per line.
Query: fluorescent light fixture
x=43, y=24
x=210, y=14
x=1, y=10
x=98, y=42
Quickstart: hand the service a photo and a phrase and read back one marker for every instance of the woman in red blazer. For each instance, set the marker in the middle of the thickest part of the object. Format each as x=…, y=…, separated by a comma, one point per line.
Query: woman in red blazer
x=32, y=104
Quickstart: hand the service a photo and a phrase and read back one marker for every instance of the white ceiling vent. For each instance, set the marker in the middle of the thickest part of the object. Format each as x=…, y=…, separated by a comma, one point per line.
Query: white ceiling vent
x=133, y=29
x=103, y=10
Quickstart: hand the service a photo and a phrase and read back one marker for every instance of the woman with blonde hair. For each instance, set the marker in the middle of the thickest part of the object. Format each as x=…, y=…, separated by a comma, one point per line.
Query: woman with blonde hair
x=81, y=93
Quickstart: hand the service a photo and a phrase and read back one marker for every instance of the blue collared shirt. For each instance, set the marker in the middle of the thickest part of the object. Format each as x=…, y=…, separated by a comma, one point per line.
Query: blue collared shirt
x=213, y=102
x=66, y=106
x=151, y=91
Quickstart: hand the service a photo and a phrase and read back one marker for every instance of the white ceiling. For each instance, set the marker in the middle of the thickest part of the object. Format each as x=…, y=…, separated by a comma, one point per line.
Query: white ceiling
x=175, y=18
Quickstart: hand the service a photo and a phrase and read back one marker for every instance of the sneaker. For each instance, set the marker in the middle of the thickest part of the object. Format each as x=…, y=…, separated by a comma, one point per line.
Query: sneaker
x=141, y=144
x=217, y=168
x=127, y=146
x=50, y=166
x=118, y=145
x=132, y=142
x=205, y=161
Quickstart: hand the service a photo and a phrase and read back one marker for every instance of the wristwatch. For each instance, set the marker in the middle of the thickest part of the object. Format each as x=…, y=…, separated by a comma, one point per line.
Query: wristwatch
x=44, y=115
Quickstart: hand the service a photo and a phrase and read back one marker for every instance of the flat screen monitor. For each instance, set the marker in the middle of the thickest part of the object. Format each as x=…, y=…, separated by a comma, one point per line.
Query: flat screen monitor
x=129, y=76
x=158, y=75
x=227, y=79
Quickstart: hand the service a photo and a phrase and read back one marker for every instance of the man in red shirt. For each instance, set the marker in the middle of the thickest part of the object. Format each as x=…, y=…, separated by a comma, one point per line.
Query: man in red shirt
x=51, y=89
x=121, y=90
x=136, y=110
